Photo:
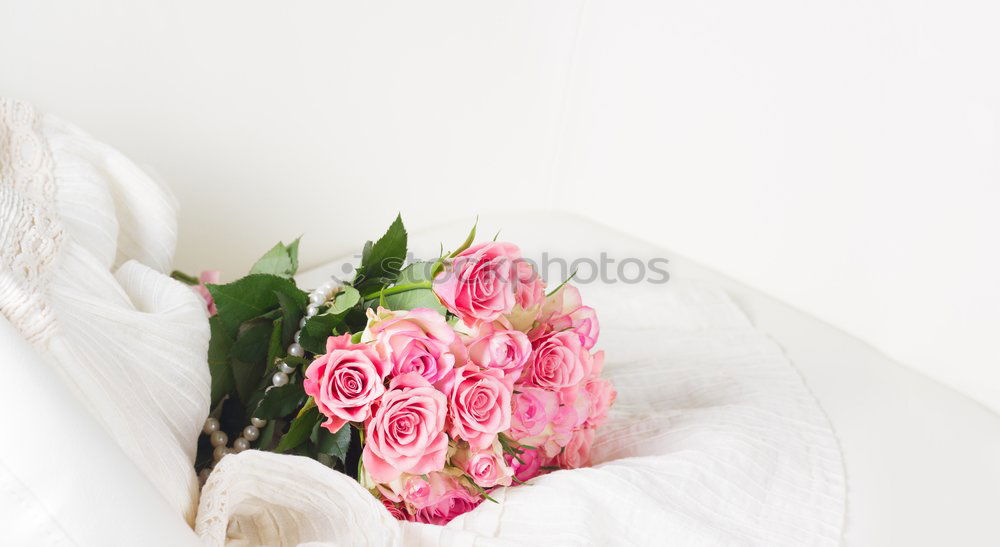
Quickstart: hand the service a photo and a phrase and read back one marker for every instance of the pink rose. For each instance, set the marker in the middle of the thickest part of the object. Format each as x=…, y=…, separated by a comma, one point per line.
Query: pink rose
x=345, y=381
x=418, y=340
x=487, y=468
x=564, y=310
x=577, y=452
x=529, y=290
x=406, y=433
x=563, y=423
x=396, y=511
x=478, y=285
x=479, y=404
x=558, y=361
x=504, y=350
x=208, y=277
x=417, y=491
x=454, y=500
x=602, y=396
x=527, y=465
x=533, y=409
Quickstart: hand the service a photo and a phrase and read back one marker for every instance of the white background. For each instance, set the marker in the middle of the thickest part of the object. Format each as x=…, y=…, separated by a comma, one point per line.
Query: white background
x=842, y=156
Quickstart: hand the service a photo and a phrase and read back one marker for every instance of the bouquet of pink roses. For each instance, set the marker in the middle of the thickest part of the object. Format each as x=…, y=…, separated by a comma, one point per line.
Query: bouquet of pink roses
x=432, y=383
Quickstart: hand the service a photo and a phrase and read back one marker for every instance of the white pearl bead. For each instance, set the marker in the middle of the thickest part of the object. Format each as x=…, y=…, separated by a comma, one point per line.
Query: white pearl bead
x=298, y=336
x=285, y=367
x=296, y=350
x=257, y=422
x=279, y=379
x=251, y=433
x=268, y=388
x=327, y=287
x=302, y=322
x=219, y=438
x=211, y=426
x=240, y=444
x=219, y=452
x=317, y=298
x=312, y=310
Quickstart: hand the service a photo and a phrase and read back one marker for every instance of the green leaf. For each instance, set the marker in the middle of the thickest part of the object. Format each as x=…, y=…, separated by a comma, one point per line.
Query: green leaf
x=250, y=297
x=381, y=262
x=281, y=401
x=315, y=332
x=563, y=284
x=346, y=299
x=418, y=271
x=281, y=260
x=275, y=347
x=249, y=357
x=417, y=298
x=267, y=435
x=468, y=240
x=332, y=444
x=299, y=431
x=218, y=361
x=292, y=313
x=409, y=298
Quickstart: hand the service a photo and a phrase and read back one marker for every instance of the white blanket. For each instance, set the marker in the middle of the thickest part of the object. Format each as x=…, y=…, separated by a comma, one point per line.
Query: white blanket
x=714, y=438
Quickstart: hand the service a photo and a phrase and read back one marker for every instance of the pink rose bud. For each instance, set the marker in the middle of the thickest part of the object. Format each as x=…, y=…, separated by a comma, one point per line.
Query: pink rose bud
x=564, y=310
x=487, y=468
x=453, y=501
x=577, y=452
x=529, y=291
x=396, y=511
x=602, y=396
x=478, y=284
x=208, y=277
x=406, y=433
x=527, y=465
x=345, y=381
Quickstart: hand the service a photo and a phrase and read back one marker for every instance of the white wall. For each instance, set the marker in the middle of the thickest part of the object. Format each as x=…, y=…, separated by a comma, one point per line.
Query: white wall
x=842, y=156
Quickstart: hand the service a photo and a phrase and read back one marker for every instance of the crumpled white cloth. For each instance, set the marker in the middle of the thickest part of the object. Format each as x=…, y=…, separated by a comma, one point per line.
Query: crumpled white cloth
x=85, y=240
x=714, y=438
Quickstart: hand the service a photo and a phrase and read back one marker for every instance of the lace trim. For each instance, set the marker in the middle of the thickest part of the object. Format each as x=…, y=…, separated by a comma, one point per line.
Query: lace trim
x=30, y=234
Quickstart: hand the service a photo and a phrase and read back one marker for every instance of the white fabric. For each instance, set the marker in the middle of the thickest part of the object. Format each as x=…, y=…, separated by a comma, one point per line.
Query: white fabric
x=63, y=479
x=714, y=440
x=128, y=341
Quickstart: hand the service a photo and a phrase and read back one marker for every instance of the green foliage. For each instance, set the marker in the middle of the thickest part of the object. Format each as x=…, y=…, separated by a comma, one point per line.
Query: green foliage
x=468, y=240
x=281, y=401
x=415, y=279
x=248, y=356
x=381, y=261
x=299, y=431
x=281, y=260
x=250, y=297
x=331, y=444
x=218, y=361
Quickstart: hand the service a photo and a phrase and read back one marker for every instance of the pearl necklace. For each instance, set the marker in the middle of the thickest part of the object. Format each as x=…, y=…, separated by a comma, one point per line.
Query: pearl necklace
x=320, y=296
